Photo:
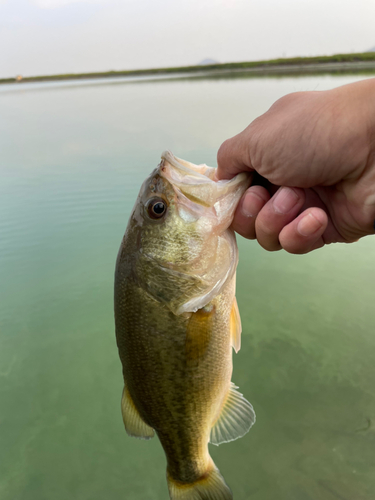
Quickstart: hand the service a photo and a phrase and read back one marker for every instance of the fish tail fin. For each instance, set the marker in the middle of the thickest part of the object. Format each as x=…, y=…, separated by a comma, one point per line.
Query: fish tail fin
x=211, y=486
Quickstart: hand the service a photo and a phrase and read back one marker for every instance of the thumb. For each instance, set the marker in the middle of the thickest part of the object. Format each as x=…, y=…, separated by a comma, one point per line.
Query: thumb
x=233, y=157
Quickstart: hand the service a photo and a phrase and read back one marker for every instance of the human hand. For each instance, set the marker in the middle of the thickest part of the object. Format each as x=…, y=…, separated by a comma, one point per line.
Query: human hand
x=317, y=152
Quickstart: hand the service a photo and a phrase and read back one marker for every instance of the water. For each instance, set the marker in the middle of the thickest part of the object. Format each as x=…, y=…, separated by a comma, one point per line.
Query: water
x=72, y=159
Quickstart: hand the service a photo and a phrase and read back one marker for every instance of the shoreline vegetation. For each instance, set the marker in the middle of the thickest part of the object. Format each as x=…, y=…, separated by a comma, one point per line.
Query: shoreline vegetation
x=338, y=63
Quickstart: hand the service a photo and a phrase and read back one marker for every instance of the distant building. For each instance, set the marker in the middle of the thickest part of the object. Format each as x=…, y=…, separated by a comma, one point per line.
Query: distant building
x=208, y=61
x=19, y=78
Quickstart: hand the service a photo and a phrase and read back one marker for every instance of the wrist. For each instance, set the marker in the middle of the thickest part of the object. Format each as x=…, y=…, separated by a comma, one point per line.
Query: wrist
x=356, y=123
x=360, y=98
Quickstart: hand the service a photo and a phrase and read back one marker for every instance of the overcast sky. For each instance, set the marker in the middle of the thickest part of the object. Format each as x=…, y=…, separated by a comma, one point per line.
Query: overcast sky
x=60, y=36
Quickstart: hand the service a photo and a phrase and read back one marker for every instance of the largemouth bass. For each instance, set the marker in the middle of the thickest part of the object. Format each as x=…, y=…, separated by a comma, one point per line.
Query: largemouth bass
x=177, y=320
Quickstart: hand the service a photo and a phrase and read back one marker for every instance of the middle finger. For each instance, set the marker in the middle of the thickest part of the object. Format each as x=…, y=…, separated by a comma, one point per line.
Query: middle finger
x=281, y=209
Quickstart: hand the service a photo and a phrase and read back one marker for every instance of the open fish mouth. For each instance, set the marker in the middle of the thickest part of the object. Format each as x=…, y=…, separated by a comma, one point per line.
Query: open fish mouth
x=192, y=172
x=197, y=184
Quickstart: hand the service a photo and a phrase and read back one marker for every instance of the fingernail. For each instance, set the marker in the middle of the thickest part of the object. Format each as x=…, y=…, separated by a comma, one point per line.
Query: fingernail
x=284, y=200
x=251, y=205
x=308, y=225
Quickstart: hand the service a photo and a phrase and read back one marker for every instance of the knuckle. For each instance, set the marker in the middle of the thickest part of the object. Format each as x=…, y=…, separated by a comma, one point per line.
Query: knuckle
x=267, y=227
x=295, y=250
x=223, y=150
x=249, y=235
x=245, y=230
x=296, y=246
x=268, y=240
x=270, y=246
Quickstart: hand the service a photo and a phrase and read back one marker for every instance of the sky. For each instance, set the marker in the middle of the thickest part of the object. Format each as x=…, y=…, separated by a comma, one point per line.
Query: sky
x=39, y=37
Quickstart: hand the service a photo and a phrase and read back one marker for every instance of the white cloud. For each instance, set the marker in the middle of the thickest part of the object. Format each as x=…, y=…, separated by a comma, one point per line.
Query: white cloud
x=54, y=4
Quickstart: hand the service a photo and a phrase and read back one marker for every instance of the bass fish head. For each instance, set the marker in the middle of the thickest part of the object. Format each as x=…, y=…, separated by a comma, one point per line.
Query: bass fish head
x=183, y=249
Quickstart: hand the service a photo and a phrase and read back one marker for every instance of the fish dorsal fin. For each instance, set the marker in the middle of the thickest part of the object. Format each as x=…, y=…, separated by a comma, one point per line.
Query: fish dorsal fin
x=235, y=326
x=235, y=420
x=134, y=424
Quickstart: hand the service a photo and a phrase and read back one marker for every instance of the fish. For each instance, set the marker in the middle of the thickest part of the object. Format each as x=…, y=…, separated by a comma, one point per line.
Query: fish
x=177, y=320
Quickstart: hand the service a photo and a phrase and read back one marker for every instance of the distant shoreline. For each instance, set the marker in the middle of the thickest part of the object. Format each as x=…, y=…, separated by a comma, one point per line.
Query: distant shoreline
x=339, y=63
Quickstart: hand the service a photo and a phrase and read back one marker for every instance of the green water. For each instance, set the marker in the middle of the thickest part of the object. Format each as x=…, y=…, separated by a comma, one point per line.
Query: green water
x=72, y=159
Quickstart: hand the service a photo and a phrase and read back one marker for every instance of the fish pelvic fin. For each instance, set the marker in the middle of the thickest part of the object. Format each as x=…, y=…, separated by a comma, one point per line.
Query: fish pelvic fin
x=211, y=486
x=235, y=420
x=134, y=424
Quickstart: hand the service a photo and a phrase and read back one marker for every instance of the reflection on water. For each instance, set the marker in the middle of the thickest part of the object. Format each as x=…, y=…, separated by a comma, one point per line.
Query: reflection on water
x=73, y=158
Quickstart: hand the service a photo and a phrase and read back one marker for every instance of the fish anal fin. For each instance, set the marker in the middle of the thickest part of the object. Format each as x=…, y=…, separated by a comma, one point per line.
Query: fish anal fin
x=235, y=326
x=134, y=424
x=235, y=420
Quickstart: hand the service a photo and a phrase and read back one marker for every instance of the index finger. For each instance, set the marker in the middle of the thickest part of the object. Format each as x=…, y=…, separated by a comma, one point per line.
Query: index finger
x=233, y=158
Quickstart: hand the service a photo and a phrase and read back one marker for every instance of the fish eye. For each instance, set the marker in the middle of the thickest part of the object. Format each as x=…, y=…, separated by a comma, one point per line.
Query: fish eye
x=156, y=208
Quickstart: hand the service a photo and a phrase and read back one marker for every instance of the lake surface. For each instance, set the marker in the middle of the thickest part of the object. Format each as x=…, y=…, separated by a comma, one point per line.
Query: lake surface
x=73, y=157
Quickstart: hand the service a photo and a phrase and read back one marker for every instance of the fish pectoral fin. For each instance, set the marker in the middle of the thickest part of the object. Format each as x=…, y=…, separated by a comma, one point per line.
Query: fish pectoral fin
x=134, y=424
x=235, y=326
x=235, y=420
x=199, y=335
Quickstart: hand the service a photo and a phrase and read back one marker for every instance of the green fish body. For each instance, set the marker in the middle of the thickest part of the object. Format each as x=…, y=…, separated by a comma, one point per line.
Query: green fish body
x=177, y=320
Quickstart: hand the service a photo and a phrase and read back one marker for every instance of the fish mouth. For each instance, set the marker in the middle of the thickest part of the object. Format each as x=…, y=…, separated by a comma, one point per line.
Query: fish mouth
x=192, y=173
x=195, y=186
